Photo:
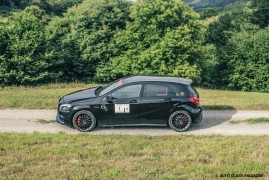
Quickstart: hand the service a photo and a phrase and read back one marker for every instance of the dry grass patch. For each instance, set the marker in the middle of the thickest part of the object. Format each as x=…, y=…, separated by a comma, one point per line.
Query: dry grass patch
x=223, y=99
x=87, y=156
x=47, y=96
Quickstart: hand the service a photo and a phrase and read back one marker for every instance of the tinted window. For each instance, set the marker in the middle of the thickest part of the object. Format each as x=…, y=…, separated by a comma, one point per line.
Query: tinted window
x=193, y=91
x=182, y=90
x=132, y=91
x=154, y=90
x=111, y=86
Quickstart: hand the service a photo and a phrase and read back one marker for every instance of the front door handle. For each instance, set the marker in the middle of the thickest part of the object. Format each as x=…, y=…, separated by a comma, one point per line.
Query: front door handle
x=133, y=101
x=168, y=100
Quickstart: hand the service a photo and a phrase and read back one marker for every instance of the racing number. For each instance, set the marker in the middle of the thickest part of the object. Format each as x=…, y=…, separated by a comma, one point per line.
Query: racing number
x=122, y=108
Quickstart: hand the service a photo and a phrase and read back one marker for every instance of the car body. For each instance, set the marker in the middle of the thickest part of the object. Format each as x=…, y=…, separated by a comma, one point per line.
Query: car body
x=133, y=101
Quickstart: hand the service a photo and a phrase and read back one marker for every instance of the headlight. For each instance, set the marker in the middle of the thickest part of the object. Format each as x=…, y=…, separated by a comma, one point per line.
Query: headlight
x=65, y=107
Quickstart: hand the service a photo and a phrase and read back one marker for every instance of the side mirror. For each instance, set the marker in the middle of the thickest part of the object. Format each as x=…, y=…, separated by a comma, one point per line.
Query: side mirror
x=109, y=99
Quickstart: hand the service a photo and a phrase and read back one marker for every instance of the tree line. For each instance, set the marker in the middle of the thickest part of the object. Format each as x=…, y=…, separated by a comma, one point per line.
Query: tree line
x=43, y=41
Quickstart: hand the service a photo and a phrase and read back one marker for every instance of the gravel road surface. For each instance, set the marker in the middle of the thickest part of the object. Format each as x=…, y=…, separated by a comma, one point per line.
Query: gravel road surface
x=214, y=122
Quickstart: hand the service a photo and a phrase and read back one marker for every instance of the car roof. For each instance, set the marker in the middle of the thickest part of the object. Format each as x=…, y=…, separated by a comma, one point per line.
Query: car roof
x=140, y=78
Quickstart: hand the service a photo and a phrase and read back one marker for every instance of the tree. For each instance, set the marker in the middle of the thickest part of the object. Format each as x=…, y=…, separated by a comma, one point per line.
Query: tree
x=218, y=31
x=161, y=38
x=57, y=7
x=83, y=38
x=22, y=54
x=249, y=62
x=209, y=12
x=260, y=14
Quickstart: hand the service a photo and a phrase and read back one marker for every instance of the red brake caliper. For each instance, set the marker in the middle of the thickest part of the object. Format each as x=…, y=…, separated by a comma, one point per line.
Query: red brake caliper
x=185, y=118
x=79, y=120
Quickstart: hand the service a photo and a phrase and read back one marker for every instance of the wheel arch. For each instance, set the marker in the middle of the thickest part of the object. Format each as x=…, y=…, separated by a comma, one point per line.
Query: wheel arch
x=81, y=108
x=183, y=107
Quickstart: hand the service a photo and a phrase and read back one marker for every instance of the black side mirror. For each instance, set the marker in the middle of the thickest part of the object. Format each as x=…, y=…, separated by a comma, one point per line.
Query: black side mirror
x=109, y=99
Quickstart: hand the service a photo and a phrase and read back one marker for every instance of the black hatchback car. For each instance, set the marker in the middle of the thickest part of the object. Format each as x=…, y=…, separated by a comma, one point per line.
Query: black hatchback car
x=133, y=101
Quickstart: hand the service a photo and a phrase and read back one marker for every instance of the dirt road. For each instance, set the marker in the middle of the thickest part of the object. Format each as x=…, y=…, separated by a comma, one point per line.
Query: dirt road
x=214, y=122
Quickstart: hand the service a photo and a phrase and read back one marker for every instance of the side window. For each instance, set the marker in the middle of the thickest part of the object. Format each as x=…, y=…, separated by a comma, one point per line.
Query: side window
x=183, y=91
x=132, y=91
x=154, y=90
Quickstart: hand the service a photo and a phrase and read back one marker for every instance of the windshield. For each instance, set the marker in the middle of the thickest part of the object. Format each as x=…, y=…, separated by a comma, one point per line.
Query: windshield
x=111, y=86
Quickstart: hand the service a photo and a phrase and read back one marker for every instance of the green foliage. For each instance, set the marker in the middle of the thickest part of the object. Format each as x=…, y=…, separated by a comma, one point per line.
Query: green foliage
x=209, y=65
x=260, y=14
x=218, y=32
x=209, y=12
x=199, y=5
x=250, y=61
x=50, y=6
x=162, y=37
x=83, y=38
x=23, y=44
x=101, y=40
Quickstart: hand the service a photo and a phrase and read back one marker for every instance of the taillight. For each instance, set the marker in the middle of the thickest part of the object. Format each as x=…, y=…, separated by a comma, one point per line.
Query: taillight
x=194, y=100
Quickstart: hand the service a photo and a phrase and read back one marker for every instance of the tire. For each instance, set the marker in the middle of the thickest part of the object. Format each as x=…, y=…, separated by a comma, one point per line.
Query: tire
x=84, y=121
x=180, y=121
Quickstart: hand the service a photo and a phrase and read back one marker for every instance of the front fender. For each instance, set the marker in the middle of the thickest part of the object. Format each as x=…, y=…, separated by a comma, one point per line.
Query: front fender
x=82, y=107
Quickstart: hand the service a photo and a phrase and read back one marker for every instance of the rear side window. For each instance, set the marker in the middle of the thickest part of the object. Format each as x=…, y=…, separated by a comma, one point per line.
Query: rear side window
x=193, y=92
x=155, y=90
x=183, y=90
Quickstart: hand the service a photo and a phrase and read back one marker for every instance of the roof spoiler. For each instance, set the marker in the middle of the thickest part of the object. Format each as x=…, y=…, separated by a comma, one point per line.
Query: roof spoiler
x=186, y=81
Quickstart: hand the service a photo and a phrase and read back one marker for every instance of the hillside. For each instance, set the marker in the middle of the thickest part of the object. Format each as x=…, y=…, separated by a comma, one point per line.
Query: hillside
x=198, y=5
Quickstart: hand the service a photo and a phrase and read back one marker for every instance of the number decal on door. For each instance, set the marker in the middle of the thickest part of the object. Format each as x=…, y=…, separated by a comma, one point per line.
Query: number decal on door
x=122, y=108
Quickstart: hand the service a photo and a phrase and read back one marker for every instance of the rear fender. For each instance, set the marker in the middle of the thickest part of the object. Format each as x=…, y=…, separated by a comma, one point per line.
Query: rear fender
x=182, y=107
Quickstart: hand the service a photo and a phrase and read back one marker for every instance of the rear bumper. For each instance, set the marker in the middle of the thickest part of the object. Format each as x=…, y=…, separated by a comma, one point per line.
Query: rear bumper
x=198, y=117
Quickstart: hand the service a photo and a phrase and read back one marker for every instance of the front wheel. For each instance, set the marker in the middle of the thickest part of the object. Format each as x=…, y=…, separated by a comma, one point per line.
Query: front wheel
x=180, y=121
x=84, y=121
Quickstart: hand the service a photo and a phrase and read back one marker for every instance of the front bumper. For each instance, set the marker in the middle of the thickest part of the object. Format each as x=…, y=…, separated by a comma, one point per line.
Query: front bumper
x=64, y=118
x=59, y=120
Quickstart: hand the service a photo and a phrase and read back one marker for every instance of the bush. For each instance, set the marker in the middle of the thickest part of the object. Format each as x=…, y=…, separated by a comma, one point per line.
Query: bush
x=161, y=38
x=250, y=61
x=84, y=37
x=23, y=49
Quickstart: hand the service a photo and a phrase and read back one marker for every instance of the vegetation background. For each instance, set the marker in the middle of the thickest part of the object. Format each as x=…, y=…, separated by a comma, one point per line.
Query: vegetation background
x=219, y=44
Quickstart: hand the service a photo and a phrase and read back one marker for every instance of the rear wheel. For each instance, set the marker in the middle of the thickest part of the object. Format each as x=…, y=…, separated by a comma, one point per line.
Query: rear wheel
x=84, y=121
x=180, y=121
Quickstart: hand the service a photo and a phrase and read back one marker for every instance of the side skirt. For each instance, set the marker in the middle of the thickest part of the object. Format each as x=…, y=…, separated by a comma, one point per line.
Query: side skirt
x=129, y=125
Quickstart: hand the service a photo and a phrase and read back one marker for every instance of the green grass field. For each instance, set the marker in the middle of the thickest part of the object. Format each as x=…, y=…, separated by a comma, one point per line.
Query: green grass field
x=47, y=96
x=251, y=121
x=83, y=156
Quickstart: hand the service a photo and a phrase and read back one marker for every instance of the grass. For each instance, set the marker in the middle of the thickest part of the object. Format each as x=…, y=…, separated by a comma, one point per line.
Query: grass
x=221, y=99
x=251, y=121
x=47, y=96
x=43, y=121
x=84, y=156
x=40, y=97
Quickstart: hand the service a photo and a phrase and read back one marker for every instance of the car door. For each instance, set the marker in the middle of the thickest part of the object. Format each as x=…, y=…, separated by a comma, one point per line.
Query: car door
x=122, y=106
x=156, y=104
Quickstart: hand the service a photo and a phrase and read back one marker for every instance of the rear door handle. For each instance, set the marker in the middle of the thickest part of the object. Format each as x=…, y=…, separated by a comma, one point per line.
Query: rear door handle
x=133, y=101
